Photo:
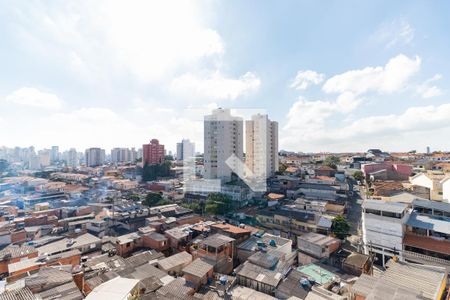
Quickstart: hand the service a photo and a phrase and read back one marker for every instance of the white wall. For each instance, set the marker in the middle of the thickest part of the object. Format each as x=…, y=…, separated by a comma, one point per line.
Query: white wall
x=422, y=180
x=446, y=190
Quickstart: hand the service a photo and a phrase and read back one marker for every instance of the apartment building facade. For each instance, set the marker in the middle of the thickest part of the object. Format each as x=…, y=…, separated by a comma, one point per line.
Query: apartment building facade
x=261, y=146
x=223, y=138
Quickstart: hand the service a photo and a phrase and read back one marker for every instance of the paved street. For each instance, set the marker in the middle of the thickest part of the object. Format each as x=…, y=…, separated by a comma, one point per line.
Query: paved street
x=354, y=216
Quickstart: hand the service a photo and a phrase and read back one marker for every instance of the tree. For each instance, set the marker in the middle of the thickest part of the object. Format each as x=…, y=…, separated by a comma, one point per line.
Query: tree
x=358, y=175
x=282, y=168
x=152, y=172
x=340, y=227
x=218, y=204
x=212, y=209
x=134, y=197
x=331, y=161
x=152, y=199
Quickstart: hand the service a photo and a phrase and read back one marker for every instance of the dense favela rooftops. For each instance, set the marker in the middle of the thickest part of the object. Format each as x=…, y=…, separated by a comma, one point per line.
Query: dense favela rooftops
x=403, y=281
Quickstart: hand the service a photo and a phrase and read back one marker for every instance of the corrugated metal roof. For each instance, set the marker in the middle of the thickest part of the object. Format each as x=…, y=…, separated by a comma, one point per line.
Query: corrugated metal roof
x=19, y=294
x=68, y=291
x=393, y=207
x=175, y=260
x=198, y=268
x=438, y=205
x=437, y=224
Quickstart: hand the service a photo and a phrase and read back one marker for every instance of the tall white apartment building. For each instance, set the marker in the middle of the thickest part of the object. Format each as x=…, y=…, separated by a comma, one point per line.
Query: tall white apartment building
x=72, y=158
x=54, y=154
x=185, y=149
x=94, y=157
x=261, y=146
x=223, y=137
x=121, y=155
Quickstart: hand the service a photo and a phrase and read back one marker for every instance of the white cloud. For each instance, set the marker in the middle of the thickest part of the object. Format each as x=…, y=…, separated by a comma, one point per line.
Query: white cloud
x=215, y=86
x=427, y=90
x=32, y=97
x=325, y=124
x=393, y=33
x=384, y=80
x=304, y=79
x=306, y=127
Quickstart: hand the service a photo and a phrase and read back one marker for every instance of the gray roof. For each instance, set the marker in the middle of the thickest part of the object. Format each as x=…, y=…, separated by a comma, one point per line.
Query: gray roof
x=157, y=236
x=217, y=240
x=14, y=251
x=47, y=278
x=68, y=291
x=435, y=223
x=265, y=260
x=176, y=289
x=437, y=205
x=143, y=258
x=18, y=294
x=198, y=267
x=260, y=274
x=143, y=272
x=175, y=260
x=63, y=245
x=402, y=281
x=394, y=207
x=318, y=239
x=319, y=186
x=291, y=286
x=251, y=243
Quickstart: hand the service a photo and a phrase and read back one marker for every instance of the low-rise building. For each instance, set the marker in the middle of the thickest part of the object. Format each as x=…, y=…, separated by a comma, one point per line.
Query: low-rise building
x=402, y=281
x=198, y=272
x=383, y=229
x=316, y=247
x=427, y=233
x=218, y=249
x=13, y=253
x=176, y=263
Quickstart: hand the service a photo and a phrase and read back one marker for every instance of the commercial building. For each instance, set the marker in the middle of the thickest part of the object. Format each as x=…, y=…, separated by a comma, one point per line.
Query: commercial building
x=153, y=153
x=223, y=138
x=261, y=146
x=94, y=157
x=383, y=229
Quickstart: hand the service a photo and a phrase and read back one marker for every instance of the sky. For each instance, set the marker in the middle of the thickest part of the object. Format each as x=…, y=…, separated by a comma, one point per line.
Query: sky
x=338, y=76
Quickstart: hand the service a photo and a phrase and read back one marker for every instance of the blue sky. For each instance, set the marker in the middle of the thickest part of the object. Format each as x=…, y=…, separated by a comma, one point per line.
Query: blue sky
x=336, y=75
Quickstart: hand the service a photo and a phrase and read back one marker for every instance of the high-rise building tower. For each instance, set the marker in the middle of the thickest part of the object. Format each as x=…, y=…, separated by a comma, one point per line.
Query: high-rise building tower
x=261, y=146
x=185, y=149
x=223, y=137
x=72, y=158
x=153, y=153
x=121, y=155
x=54, y=157
x=94, y=157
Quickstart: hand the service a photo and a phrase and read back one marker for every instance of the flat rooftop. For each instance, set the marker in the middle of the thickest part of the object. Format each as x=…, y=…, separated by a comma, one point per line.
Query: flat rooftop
x=316, y=272
x=393, y=207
